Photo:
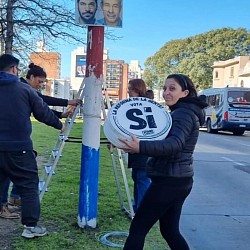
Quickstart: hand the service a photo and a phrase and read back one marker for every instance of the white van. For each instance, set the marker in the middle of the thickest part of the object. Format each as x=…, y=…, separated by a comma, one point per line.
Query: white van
x=228, y=109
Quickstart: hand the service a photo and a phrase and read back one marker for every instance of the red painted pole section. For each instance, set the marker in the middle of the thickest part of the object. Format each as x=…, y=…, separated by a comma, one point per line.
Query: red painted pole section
x=95, y=46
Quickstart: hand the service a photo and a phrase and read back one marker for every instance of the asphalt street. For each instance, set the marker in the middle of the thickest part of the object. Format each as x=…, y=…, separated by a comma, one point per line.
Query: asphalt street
x=216, y=215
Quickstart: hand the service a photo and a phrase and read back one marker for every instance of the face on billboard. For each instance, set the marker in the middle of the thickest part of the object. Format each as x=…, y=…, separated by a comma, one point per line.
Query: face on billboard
x=99, y=12
x=87, y=10
x=111, y=12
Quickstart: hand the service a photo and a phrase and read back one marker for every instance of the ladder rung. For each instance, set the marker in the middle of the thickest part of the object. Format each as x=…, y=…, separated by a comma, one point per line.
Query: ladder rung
x=41, y=185
x=55, y=153
x=48, y=169
x=61, y=137
x=69, y=120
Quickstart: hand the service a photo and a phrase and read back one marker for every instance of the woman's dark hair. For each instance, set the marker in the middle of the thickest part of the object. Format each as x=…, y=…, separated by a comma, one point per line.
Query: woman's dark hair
x=35, y=70
x=150, y=94
x=139, y=86
x=186, y=83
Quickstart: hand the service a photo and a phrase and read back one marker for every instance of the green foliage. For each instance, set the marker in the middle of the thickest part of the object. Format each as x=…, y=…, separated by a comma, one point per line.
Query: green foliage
x=194, y=56
x=59, y=206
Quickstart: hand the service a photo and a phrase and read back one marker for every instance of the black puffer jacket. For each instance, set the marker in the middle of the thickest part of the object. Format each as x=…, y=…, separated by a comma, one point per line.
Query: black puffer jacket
x=173, y=156
x=17, y=102
x=137, y=161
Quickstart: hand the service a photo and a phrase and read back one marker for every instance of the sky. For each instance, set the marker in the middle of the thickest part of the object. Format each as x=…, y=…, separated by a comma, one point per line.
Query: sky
x=148, y=25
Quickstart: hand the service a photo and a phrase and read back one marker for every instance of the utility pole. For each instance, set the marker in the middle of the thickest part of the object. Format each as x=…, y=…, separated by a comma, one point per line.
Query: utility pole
x=88, y=193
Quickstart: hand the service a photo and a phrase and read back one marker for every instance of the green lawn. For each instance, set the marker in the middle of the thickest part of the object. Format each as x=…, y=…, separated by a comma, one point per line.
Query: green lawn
x=59, y=206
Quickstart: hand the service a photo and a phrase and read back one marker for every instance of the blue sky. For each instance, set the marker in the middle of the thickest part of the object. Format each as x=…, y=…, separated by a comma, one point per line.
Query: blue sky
x=149, y=24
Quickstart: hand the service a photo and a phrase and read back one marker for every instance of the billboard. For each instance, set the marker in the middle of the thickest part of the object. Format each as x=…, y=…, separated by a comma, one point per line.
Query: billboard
x=80, y=66
x=99, y=12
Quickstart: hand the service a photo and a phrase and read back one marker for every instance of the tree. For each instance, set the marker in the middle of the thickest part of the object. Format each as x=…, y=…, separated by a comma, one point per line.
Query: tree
x=195, y=55
x=151, y=76
x=24, y=23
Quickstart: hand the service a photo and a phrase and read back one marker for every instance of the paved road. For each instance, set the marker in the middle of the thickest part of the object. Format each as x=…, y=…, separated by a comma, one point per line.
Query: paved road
x=216, y=216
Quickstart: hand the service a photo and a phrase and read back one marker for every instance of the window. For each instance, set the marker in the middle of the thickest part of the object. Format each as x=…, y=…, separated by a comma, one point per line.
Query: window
x=211, y=100
x=56, y=88
x=232, y=72
x=217, y=101
x=242, y=84
x=237, y=96
x=216, y=74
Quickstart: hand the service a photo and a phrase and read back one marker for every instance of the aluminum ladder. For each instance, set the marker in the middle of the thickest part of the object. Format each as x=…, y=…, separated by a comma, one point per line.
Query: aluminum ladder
x=118, y=157
x=50, y=166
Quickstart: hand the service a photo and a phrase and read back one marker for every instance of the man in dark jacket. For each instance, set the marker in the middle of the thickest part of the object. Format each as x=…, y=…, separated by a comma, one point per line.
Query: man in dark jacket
x=35, y=77
x=17, y=159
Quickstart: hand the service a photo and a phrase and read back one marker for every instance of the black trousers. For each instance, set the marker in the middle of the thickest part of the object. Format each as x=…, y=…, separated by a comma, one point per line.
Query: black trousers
x=163, y=201
x=21, y=168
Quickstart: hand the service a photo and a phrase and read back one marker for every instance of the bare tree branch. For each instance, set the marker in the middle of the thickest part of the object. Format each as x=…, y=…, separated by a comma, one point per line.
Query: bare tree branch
x=25, y=22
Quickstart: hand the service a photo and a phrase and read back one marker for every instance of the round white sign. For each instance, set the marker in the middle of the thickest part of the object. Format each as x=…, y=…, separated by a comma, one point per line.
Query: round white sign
x=143, y=117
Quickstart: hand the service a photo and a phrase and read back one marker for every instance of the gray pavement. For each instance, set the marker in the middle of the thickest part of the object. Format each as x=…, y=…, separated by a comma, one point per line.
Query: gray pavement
x=216, y=215
x=217, y=232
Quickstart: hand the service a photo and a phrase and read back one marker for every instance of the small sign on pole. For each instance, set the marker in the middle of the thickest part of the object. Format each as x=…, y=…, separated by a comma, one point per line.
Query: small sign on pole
x=99, y=12
x=143, y=117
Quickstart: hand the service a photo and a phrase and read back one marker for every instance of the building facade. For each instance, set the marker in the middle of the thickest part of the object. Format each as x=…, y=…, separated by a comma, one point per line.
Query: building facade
x=50, y=61
x=60, y=88
x=135, y=70
x=232, y=73
x=115, y=74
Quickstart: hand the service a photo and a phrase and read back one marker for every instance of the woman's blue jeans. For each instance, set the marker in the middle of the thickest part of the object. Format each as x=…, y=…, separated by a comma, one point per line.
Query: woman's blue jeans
x=141, y=184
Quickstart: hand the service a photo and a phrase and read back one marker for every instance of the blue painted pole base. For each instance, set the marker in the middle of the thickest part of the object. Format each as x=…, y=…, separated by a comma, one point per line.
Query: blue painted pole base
x=88, y=194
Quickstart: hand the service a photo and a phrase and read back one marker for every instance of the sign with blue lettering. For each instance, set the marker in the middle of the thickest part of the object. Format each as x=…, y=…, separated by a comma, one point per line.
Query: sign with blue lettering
x=143, y=117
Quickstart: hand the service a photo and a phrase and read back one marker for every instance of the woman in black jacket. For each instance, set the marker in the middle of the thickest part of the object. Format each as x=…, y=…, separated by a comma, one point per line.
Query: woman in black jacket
x=170, y=166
